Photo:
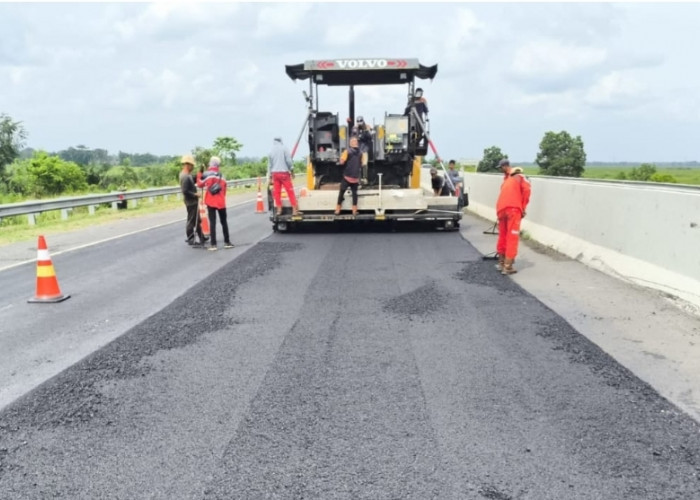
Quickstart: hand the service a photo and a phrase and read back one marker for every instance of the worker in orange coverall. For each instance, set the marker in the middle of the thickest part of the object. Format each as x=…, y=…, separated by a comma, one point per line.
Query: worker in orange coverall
x=510, y=209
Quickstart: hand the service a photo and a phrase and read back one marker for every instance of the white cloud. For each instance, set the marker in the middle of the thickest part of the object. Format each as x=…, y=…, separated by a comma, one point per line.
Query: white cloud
x=346, y=32
x=615, y=90
x=567, y=103
x=173, y=20
x=283, y=19
x=143, y=87
x=463, y=29
x=553, y=59
x=196, y=55
x=221, y=65
x=17, y=74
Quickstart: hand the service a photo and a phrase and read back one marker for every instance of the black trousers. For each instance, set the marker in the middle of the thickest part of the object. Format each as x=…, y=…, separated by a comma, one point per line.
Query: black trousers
x=344, y=184
x=192, y=220
x=212, y=224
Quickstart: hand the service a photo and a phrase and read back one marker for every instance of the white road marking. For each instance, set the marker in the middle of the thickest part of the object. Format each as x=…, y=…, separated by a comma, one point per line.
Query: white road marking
x=86, y=245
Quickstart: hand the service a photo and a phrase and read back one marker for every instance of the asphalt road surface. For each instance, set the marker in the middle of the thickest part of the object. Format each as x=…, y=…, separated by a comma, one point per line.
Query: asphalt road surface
x=335, y=365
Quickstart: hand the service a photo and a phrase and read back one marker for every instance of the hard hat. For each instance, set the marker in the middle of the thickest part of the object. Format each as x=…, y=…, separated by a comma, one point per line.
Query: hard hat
x=187, y=159
x=215, y=161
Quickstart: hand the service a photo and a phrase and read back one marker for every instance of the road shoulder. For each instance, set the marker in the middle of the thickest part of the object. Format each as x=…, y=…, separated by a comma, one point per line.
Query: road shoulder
x=653, y=335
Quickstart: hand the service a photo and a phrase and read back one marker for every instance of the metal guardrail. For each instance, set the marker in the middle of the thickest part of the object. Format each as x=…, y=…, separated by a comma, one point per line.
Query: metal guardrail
x=35, y=207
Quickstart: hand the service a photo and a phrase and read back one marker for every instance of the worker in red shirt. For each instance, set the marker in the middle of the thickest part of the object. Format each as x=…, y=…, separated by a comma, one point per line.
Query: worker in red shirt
x=215, y=186
x=510, y=209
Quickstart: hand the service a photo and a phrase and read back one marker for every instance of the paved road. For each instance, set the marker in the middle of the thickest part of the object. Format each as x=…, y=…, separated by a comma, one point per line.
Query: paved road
x=115, y=282
x=347, y=366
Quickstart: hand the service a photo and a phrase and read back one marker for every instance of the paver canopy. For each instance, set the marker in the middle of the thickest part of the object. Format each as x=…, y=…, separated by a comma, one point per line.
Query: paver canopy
x=378, y=71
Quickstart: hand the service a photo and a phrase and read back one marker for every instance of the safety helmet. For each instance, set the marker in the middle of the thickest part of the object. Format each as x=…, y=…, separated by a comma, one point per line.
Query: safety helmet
x=187, y=159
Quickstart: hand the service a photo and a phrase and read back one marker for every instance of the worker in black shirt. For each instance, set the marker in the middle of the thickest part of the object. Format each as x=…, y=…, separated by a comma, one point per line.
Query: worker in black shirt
x=190, y=196
x=440, y=186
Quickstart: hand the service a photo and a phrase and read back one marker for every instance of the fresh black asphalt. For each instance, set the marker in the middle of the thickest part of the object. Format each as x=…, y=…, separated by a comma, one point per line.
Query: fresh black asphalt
x=349, y=365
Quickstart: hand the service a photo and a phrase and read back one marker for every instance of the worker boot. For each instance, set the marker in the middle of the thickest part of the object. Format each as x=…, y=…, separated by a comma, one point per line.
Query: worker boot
x=501, y=261
x=354, y=210
x=337, y=210
x=508, y=267
x=295, y=211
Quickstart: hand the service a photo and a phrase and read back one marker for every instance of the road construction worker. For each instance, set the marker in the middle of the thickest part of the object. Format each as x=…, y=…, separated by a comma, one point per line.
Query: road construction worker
x=454, y=176
x=215, y=199
x=420, y=103
x=190, y=196
x=440, y=185
x=281, y=173
x=364, y=136
x=510, y=209
x=352, y=159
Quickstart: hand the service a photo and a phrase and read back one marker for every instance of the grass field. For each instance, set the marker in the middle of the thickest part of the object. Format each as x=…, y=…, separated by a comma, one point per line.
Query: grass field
x=683, y=175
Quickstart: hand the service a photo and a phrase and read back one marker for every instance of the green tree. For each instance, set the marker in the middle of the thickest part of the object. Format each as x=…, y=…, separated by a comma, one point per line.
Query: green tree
x=159, y=175
x=561, y=155
x=47, y=175
x=489, y=162
x=94, y=173
x=119, y=177
x=226, y=148
x=80, y=154
x=202, y=156
x=12, y=137
x=643, y=173
x=659, y=177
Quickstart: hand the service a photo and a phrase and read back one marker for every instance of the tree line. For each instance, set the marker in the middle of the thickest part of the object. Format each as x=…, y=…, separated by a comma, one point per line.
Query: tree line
x=29, y=173
x=562, y=155
x=25, y=172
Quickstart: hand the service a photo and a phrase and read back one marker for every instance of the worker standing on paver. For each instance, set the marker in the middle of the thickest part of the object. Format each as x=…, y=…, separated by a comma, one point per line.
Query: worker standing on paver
x=510, y=209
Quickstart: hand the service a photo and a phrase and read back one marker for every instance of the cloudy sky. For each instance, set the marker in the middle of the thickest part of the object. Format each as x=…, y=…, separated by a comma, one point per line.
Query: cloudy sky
x=164, y=78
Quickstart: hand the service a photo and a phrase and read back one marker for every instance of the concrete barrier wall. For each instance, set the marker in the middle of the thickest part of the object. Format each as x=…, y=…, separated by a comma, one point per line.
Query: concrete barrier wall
x=646, y=233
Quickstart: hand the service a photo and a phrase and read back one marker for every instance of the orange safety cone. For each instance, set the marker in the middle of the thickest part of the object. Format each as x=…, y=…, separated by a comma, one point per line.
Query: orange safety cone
x=259, y=207
x=47, y=289
x=203, y=218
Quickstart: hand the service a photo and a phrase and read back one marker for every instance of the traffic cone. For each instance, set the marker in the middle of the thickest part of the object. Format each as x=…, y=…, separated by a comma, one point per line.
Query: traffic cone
x=47, y=289
x=203, y=218
x=259, y=207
